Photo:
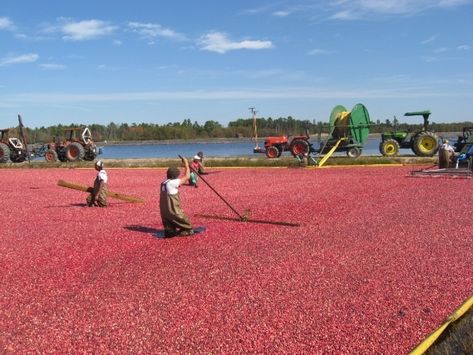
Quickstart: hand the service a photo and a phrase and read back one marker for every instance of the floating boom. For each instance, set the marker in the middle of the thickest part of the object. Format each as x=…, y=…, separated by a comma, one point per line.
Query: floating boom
x=85, y=188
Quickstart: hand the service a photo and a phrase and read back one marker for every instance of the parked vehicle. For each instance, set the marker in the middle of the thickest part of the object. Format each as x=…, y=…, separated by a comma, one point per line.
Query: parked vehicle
x=423, y=142
x=11, y=148
x=78, y=145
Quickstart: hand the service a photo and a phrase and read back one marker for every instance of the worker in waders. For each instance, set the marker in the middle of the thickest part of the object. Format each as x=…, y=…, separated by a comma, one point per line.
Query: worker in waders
x=98, y=196
x=196, y=168
x=175, y=221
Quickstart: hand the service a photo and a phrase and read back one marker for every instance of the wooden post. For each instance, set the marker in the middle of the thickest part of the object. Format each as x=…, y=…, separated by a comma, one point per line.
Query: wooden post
x=85, y=188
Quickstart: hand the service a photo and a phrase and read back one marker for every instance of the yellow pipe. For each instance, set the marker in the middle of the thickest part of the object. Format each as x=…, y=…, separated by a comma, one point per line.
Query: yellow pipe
x=424, y=345
x=329, y=154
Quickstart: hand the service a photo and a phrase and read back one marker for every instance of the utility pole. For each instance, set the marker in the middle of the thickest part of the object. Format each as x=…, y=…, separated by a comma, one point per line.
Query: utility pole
x=255, y=132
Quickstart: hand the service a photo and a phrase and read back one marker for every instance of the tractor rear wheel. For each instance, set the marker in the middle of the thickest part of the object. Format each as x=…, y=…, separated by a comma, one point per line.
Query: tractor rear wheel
x=389, y=148
x=4, y=153
x=51, y=156
x=354, y=152
x=425, y=144
x=298, y=147
x=75, y=152
x=272, y=152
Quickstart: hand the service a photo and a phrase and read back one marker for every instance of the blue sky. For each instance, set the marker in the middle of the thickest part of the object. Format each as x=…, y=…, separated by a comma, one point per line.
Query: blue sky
x=165, y=61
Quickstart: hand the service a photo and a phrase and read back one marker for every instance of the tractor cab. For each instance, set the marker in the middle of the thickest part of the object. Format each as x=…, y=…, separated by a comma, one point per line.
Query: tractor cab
x=78, y=134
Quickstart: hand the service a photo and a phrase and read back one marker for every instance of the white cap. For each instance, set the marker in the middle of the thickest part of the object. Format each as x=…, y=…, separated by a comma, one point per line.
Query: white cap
x=99, y=163
x=196, y=157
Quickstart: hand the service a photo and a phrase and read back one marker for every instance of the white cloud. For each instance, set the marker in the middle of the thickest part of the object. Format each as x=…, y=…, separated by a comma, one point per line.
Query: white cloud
x=276, y=93
x=281, y=13
x=153, y=30
x=344, y=15
x=464, y=47
x=359, y=9
x=440, y=50
x=449, y=3
x=21, y=59
x=219, y=42
x=6, y=24
x=430, y=59
x=52, y=66
x=429, y=40
x=85, y=30
x=318, y=51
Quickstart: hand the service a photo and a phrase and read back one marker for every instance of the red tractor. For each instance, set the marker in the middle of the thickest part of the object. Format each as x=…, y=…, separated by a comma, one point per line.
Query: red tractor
x=274, y=146
x=73, y=148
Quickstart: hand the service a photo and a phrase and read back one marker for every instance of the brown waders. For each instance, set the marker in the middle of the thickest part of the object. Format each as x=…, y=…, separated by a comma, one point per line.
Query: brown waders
x=174, y=219
x=102, y=196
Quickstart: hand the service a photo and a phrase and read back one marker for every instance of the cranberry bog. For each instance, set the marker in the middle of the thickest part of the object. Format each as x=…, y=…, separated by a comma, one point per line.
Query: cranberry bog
x=379, y=261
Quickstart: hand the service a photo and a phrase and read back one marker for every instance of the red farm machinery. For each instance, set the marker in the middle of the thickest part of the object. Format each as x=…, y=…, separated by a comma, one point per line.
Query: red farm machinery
x=348, y=132
x=77, y=145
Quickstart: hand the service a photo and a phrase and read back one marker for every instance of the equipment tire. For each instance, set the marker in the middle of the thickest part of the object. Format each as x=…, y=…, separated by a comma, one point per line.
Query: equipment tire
x=298, y=147
x=50, y=156
x=353, y=152
x=75, y=152
x=90, y=155
x=272, y=152
x=4, y=153
x=425, y=144
x=18, y=156
x=389, y=148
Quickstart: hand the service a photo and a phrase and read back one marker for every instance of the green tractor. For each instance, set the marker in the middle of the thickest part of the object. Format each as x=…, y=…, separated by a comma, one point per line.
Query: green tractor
x=423, y=143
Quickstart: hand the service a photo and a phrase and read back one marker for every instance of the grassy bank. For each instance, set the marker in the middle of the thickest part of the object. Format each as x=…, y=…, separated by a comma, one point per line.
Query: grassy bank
x=227, y=162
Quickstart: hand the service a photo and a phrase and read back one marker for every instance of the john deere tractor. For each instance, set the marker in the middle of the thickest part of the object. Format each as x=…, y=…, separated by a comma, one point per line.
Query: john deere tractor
x=423, y=142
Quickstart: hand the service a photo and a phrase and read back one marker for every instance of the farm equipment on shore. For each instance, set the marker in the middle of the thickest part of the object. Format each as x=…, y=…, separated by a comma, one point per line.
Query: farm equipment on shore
x=465, y=138
x=423, y=142
x=78, y=145
x=349, y=131
x=11, y=148
x=274, y=146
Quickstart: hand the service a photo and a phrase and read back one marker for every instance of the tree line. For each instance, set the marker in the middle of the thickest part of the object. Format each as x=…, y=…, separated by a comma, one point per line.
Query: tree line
x=240, y=128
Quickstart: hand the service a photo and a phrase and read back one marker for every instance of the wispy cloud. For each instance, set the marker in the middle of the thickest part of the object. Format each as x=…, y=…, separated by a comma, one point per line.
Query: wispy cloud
x=359, y=9
x=52, y=66
x=86, y=30
x=319, y=51
x=220, y=43
x=429, y=40
x=281, y=13
x=275, y=94
x=440, y=50
x=6, y=24
x=154, y=30
x=20, y=59
x=430, y=59
x=464, y=47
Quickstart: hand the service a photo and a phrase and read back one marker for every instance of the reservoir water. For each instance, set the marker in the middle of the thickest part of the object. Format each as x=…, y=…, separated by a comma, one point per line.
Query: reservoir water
x=213, y=149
